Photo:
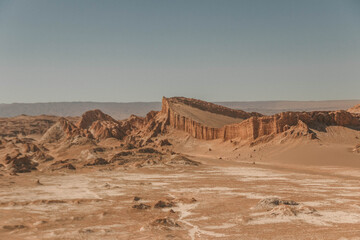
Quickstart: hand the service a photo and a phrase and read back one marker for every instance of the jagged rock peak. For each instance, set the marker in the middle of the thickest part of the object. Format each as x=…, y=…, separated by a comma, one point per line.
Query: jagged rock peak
x=102, y=129
x=62, y=129
x=89, y=117
x=66, y=125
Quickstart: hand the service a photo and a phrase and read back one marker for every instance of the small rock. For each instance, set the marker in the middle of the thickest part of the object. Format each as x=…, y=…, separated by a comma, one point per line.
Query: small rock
x=147, y=150
x=13, y=227
x=165, y=222
x=163, y=204
x=165, y=142
x=141, y=206
x=68, y=166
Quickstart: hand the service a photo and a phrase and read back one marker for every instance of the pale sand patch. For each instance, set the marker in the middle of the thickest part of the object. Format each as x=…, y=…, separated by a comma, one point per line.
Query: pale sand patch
x=222, y=226
x=326, y=218
x=54, y=189
x=185, y=211
x=349, y=194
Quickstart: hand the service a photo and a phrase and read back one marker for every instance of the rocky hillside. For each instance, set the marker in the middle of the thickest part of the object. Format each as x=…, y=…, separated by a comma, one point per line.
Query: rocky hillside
x=201, y=120
x=48, y=142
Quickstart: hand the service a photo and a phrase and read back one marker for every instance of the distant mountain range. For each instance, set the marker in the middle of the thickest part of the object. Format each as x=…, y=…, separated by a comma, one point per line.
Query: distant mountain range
x=124, y=110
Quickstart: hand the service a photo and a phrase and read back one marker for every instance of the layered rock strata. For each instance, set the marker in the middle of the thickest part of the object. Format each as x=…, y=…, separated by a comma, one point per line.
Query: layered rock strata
x=255, y=125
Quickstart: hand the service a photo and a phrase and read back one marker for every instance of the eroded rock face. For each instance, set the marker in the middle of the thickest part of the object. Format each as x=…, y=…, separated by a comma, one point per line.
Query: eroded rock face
x=164, y=142
x=255, y=125
x=89, y=117
x=100, y=125
x=97, y=161
x=93, y=124
x=187, y=124
x=106, y=129
x=20, y=164
x=22, y=155
x=61, y=130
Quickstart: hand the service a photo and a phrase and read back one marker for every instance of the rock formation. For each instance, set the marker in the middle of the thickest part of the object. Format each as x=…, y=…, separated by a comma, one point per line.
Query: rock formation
x=355, y=109
x=22, y=155
x=207, y=106
x=92, y=124
x=89, y=117
x=201, y=120
x=100, y=125
x=61, y=130
x=277, y=207
x=253, y=125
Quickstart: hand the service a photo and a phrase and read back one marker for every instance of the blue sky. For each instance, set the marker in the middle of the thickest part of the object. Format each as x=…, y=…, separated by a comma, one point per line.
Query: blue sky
x=134, y=50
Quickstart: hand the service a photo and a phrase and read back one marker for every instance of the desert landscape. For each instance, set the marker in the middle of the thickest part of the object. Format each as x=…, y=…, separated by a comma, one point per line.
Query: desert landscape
x=193, y=170
x=179, y=120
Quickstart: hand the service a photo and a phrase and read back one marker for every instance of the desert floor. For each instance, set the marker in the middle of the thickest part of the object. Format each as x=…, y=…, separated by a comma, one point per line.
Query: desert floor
x=217, y=200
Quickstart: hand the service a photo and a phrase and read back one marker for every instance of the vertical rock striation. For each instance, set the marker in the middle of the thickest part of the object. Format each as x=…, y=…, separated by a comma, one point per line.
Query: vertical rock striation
x=254, y=125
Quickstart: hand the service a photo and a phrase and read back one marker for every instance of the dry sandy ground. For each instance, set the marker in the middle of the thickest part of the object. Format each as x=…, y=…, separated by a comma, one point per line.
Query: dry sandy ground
x=99, y=204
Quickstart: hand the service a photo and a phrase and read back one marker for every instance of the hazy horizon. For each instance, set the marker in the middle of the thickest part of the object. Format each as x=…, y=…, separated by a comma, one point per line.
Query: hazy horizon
x=218, y=51
x=159, y=101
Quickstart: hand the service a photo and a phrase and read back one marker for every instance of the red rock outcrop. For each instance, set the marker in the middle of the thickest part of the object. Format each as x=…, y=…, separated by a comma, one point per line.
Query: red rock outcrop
x=63, y=129
x=100, y=125
x=255, y=125
x=106, y=129
x=201, y=120
x=196, y=129
x=20, y=164
x=131, y=124
x=89, y=117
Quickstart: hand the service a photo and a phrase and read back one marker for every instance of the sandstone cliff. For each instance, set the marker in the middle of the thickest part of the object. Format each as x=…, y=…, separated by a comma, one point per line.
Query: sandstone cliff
x=253, y=125
x=201, y=120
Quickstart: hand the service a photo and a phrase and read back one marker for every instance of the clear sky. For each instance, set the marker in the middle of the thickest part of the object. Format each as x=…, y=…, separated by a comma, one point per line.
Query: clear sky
x=216, y=50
